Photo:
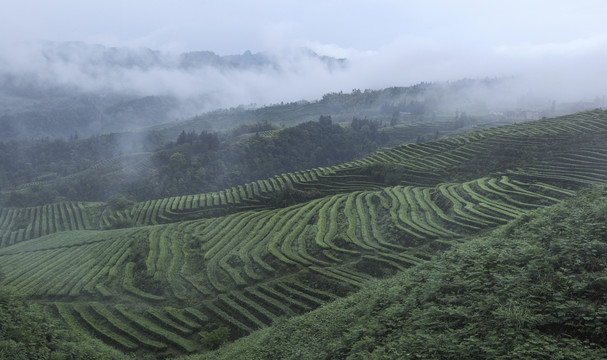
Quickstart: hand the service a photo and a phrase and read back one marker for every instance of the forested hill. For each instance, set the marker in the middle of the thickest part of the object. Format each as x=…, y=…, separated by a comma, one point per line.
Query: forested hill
x=37, y=168
x=28, y=111
x=41, y=171
x=184, y=274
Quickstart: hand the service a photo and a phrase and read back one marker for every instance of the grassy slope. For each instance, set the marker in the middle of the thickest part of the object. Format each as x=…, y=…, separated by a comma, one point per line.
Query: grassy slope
x=533, y=289
x=248, y=269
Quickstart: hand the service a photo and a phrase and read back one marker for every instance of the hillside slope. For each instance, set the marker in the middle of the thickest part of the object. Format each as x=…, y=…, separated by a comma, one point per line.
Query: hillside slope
x=142, y=167
x=534, y=289
x=230, y=262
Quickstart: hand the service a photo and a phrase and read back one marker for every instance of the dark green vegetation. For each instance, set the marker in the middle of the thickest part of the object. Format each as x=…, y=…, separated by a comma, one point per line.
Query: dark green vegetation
x=188, y=158
x=65, y=113
x=94, y=169
x=37, y=172
x=27, y=331
x=187, y=273
x=534, y=289
x=424, y=101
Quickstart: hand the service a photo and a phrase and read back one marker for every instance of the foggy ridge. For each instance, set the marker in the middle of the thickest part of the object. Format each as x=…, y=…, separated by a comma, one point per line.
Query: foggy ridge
x=55, y=88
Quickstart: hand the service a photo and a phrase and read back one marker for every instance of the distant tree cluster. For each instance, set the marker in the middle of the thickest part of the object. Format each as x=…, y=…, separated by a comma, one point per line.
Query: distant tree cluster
x=202, y=162
x=366, y=125
x=253, y=128
x=205, y=141
x=193, y=162
x=35, y=161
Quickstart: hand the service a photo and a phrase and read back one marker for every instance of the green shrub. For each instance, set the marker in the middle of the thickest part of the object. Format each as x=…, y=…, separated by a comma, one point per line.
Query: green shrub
x=214, y=339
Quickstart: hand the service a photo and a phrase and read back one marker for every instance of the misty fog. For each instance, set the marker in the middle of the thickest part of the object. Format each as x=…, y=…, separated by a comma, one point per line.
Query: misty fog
x=567, y=71
x=133, y=65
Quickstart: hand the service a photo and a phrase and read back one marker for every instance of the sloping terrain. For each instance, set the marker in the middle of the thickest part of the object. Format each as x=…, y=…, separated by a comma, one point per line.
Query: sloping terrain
x=532, y=289
x=137, y=166
x=246, y=256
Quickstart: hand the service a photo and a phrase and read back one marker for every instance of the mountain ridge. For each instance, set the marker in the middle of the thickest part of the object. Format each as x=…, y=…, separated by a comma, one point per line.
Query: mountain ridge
x=49, y=81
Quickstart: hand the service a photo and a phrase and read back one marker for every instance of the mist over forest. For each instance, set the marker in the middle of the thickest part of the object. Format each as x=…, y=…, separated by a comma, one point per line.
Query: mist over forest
x=119, y=89
x=91, y=89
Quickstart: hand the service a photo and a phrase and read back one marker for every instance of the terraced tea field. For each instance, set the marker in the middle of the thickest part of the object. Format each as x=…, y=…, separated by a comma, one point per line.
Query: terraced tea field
x=20, y=224
x=196, y=263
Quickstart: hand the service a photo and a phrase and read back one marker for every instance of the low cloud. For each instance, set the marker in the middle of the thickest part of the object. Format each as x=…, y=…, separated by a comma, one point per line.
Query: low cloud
x=565, y=71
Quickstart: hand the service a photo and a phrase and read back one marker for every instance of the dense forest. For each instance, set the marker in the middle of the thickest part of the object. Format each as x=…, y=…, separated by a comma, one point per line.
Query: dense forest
x=35, y=172
x=198, y=163
x=230, y=147
x=192, y=163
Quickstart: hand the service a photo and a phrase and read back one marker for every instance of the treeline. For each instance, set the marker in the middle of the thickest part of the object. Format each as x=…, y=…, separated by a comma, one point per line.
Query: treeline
x=42, y=159
x=57, y=170
x=198, y=163
x=39, y=171
x=26, y=161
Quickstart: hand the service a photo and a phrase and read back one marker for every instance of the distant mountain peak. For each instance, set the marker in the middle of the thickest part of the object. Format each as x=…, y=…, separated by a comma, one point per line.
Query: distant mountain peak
x=89, y=56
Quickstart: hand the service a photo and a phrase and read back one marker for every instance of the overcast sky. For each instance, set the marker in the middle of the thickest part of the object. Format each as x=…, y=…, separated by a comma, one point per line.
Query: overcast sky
x=562, y=44
x=231, y=27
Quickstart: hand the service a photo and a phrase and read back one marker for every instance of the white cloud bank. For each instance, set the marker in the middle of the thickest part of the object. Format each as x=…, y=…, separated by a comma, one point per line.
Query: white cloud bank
x=554, y=48
x=565, y=71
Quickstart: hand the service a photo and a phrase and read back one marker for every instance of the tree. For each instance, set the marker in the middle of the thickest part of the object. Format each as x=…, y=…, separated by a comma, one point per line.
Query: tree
x=177, y=161
x=325, y=120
